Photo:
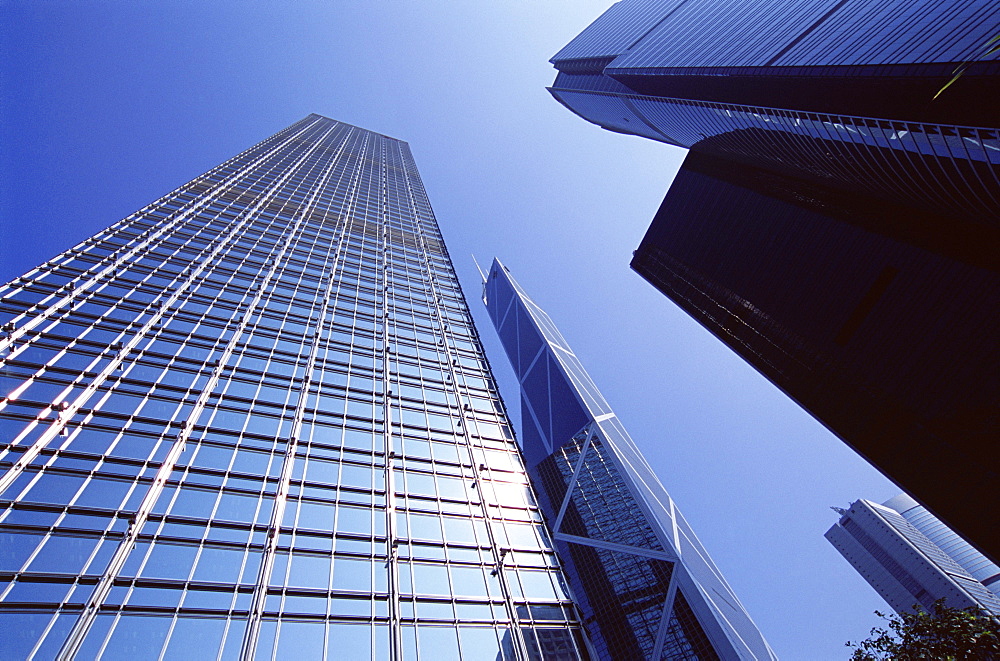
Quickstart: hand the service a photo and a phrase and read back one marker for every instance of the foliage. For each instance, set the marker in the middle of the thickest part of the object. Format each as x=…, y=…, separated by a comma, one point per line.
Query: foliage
x=947, y=634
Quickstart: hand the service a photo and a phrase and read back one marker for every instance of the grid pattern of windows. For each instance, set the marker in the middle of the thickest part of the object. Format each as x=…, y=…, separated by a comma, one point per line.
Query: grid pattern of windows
x=974, y=562
x=882, y=557
x=626, y=548
x=903, y=565
x=940, y=559
x=838, y=92
x=805, y=33
x=625, y=593
x=951, y=169
x=685, y=638
x=254, y=420
x=839, y=122
x=600, y=505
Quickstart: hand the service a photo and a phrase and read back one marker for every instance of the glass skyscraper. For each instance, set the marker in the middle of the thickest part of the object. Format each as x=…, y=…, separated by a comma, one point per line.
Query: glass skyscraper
x=646, y=586
x=254, y=420
x=833, y=223
x=888, y=547
x=840, y=92
x=959, y=550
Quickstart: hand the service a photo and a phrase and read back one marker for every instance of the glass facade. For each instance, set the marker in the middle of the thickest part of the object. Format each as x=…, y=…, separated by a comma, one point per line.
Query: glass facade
x=956, y=548
x=835, y=91
x=645, y=585
x=833, y=223
x=945, y=167
x=254, y=420
x=902, y=563
x=875, y=318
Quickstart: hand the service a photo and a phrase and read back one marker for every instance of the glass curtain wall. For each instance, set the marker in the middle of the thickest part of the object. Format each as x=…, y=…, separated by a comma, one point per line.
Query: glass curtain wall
x=645, y=585
x=254, y=420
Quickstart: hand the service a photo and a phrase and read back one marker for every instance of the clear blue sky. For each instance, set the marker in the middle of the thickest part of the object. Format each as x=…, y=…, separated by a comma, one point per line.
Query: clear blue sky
x=108, y=105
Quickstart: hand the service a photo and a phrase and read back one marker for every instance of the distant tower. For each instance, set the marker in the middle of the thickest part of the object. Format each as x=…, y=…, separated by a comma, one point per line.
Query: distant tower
x=903, y=565
x=646, y=586
x=959, y=550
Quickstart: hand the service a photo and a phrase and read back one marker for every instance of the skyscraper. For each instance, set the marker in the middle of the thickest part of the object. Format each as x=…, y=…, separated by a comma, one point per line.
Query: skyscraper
x=254, y=420
x=959, y=550
x=839, y=92
x=902, y=563
x=832, y=224
x=646, y=586
x=889, y=342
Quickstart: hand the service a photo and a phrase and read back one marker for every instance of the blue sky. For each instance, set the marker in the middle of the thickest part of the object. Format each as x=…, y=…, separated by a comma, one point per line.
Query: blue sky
x=108, y=105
